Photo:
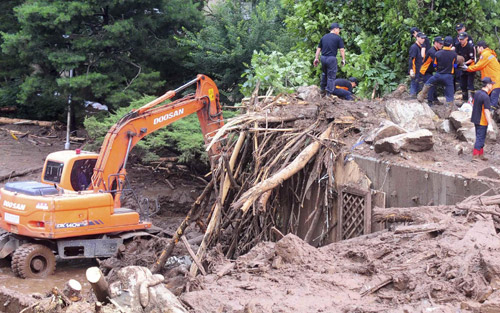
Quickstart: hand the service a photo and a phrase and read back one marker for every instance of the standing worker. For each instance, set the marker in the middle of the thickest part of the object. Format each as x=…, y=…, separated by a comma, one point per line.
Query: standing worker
x=464, y=78
x=427, y=69
x=327, y=47
x=489, y=67
x=343, y=87
x=481, y=117
x=414, y=64
x=427, y=44
x=445, y=62
x=460, y=28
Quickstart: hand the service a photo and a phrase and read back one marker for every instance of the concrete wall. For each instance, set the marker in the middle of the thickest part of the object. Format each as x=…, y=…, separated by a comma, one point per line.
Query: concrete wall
x=407, y=186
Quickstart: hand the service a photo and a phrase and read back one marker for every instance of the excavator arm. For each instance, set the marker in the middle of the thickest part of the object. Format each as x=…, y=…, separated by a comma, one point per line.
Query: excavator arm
x=110, y=169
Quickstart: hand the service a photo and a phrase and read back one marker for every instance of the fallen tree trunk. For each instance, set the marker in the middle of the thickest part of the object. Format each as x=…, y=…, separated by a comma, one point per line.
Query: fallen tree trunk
x=19, y=173
x=17, y=121
x=247, y=199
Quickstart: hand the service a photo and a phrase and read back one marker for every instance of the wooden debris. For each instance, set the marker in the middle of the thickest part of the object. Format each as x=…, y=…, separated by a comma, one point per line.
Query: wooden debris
x=5, y=120
x=72, y=290
x=99, y=284
x=375, y=285
x=19, y=173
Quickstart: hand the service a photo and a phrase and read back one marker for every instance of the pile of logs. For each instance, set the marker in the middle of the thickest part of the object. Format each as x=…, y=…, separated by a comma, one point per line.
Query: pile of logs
x=275, y=172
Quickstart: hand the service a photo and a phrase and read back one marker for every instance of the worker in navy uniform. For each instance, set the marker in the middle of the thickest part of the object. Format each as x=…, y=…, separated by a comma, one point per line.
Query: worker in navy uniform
x=427, y=69
x=465, y=79
x=460, y=28
x=427, y=44
x=414, y=64
x=328, y=47
x=445, y=62
x=343, y=87
x=481, y=117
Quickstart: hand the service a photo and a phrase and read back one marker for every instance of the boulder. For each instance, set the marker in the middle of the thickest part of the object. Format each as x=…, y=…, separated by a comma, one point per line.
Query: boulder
x=308, y=93
x=420, y=140
x=461, y=119
x=491, y=172
x=411, y=114
x=446, y=127
x=467, y=134
x=384, y=130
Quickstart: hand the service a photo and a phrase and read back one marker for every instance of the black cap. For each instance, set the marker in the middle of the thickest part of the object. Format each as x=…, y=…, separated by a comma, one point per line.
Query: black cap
x=448, y=40
x=462, y=35
x=335, y=25
x=487, y=81
x=421, y=35
x=414, y=29
x=481, y=43
x=438, y=39
x=353, y=80
x=459, y=26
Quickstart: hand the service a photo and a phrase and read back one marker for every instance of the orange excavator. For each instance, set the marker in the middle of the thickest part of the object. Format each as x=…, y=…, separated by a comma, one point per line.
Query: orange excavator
x=75, y=211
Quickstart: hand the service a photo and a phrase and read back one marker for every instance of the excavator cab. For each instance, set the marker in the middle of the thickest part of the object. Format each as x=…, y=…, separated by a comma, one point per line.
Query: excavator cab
x=69, y=169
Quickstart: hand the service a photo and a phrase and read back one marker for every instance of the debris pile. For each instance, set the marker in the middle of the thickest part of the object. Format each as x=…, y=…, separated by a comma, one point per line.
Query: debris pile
x=442, y=259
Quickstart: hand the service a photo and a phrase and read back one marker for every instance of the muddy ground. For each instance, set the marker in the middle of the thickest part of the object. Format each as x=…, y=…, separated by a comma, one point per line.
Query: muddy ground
x=452, y=269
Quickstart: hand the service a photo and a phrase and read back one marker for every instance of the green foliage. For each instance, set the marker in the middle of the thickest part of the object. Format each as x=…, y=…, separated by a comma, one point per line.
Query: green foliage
x=234, y=29
x=119, y=50
x=184, y=137
x=283, y=73
x=376, y=33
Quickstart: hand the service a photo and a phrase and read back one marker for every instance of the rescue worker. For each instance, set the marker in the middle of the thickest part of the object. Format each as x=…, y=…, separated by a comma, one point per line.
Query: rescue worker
x=414, y=64
x=427, y=69
x=464, y=78
x=489, y=67
x=460, y=28
x=427, y=44
x=328, y=47
x=445, y=64
x=343, y=87
x=481, y=117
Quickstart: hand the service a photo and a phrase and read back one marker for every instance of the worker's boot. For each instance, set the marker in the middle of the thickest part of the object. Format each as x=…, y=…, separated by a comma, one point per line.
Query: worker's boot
x=481, y=155
x=465, y=96
x=475, y=155
x=470, y=95
x=423, y=94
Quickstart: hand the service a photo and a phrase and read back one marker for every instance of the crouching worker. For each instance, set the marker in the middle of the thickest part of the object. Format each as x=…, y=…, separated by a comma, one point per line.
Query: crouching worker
x=481, y=117
x=343, y=87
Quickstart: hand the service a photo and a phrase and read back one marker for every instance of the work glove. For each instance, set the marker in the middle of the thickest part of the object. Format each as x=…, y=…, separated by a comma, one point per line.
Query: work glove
x=343, y=62
x=464, y=67
x=412, y=74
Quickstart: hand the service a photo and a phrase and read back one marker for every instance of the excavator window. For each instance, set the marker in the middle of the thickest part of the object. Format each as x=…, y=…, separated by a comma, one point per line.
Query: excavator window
x=53, y=171
x=81, y=174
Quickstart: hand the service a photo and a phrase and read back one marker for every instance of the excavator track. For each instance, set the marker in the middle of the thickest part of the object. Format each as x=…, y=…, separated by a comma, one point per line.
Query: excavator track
x=33, y=261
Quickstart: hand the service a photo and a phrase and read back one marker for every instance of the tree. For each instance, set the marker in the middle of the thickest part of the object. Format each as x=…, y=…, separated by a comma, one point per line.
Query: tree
x=234, y=30
x=119, y=50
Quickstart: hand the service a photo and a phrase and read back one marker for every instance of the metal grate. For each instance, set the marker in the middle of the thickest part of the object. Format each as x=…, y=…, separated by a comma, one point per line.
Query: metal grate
x=354, y=213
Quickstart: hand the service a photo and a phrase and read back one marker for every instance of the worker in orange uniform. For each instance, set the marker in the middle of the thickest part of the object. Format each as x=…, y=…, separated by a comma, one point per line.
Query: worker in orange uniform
x=489, y=67
x=427, y=69
x=481, y=117
x=414, y=64
x=343, y=87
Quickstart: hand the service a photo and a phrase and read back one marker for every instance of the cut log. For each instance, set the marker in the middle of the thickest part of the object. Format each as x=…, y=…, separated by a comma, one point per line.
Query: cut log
x=72, y=290
x=99, y=284
x=424, y=228
x=17, y=121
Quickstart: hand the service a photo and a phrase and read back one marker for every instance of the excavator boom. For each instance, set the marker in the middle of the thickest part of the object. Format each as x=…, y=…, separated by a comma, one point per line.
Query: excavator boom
x=110, y=168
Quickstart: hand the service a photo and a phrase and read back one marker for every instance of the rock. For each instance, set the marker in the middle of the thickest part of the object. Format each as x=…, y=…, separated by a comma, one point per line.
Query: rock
x=461, y=119
x=466, y=107
x=467, y=134
x=491, y=172
x=411, y=115
x=446, y=127
x=384, y=130
x=420, y=140
x=308, y=93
